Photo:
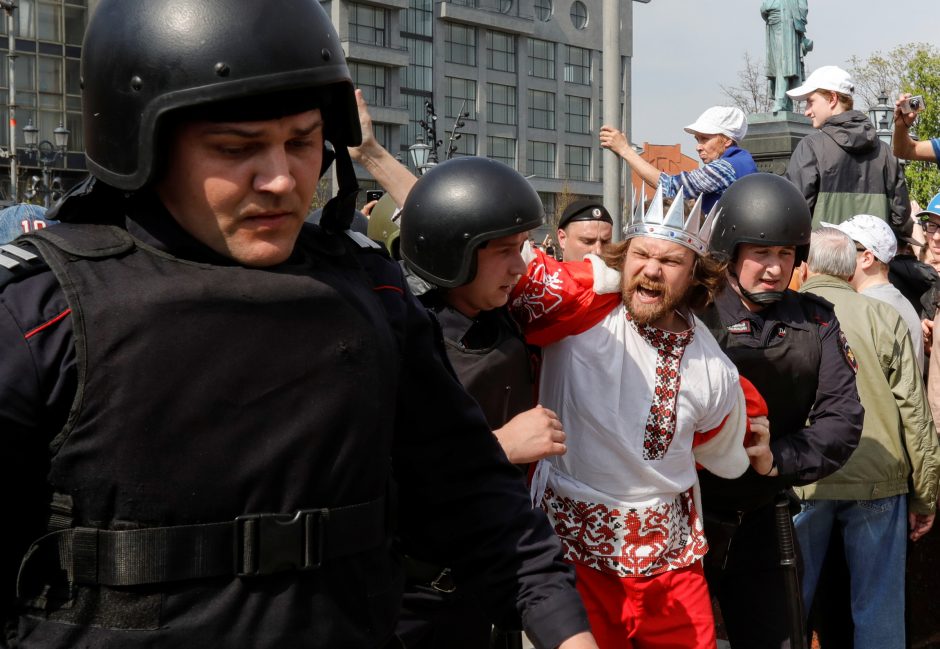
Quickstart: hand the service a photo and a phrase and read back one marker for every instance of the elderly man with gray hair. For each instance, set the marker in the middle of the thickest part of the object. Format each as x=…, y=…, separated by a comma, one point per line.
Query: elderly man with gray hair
x=889, y=484
x=876, y=245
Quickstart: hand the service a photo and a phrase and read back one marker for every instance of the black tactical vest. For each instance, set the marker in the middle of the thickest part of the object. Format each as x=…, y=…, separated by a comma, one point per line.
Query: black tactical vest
x=209, y=392
x=497, y=373
x=782, y=362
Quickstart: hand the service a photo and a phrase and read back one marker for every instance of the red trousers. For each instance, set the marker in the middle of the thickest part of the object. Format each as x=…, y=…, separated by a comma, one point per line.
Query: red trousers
x=672, y=610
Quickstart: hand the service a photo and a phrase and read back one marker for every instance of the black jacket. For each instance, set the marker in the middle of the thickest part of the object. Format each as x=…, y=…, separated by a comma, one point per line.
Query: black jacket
x=397, y=417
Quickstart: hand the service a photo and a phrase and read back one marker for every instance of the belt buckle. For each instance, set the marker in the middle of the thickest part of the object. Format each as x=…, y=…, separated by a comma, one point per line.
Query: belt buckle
x=270, y=543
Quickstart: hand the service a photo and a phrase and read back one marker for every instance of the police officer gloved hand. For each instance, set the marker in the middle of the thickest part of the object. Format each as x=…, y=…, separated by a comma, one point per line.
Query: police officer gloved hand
x=532, y=435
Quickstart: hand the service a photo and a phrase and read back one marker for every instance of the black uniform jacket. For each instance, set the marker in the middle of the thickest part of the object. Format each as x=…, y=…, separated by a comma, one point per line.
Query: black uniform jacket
x=794, y=352
x=459, y=501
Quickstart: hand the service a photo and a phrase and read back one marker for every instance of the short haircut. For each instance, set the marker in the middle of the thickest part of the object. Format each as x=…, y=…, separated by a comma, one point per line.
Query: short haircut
x=845, y=100
x=831, y=252
x=708, y=274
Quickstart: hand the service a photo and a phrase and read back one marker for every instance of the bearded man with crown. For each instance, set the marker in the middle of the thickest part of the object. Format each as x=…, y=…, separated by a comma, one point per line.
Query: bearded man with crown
x=647, y=397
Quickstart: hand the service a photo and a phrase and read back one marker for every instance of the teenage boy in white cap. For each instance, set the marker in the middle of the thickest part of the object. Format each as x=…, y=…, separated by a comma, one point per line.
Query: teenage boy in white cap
x=875, y=246
x=843, y=168
x=718, y=133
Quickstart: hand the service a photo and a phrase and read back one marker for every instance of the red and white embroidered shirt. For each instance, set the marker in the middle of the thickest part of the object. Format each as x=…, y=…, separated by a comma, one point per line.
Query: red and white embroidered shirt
x=640, y=407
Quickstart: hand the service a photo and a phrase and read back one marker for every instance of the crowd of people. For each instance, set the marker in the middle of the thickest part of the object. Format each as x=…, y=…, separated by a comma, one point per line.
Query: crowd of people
x=229, y=422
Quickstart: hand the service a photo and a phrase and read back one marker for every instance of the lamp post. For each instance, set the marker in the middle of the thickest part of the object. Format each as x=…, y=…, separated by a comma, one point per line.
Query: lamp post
x=46, y=153
x=881, y=116
x=9, y=6
x=420, y=154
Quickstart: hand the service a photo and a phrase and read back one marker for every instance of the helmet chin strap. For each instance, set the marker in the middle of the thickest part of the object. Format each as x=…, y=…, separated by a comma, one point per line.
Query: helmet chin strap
x=761, y=299
x=764, y=298
x=338, y=212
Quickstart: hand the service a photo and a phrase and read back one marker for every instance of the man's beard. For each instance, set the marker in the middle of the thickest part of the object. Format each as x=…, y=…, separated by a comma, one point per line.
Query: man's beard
x=647, y=314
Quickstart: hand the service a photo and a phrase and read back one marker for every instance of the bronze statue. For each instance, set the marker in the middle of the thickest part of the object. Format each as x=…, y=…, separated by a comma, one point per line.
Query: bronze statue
x=786, y=46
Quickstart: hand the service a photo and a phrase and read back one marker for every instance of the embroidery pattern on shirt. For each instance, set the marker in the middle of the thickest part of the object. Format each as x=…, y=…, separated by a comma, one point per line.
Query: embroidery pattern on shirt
x=542, y=294
x=628, y=541
x=661, y=422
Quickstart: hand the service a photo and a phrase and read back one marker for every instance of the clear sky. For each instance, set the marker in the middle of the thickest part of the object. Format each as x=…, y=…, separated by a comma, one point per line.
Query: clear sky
x=683, y=50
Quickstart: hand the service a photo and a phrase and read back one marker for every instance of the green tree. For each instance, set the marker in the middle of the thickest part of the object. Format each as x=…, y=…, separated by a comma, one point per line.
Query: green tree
x=922, y=77
x=914, y=68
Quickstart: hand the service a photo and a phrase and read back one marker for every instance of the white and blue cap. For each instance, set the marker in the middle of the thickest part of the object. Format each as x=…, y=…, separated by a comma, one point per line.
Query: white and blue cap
x=932, y=209
x=692, y=232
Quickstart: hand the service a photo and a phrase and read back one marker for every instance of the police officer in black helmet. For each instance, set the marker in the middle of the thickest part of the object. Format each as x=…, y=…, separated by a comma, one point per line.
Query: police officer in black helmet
x=187, y=458
x=790, y=346
x=463, y=227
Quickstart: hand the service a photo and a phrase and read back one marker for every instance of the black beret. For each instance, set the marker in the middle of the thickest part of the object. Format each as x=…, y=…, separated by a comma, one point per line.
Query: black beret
x=584, y=210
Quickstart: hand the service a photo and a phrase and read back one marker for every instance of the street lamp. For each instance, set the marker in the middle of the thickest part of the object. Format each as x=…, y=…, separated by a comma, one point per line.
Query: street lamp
x=880, y=116
x=420, y=154
x=46, y=153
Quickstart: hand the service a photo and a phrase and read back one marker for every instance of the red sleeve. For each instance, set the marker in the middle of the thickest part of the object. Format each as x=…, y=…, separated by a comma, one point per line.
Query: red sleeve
x=556, y=299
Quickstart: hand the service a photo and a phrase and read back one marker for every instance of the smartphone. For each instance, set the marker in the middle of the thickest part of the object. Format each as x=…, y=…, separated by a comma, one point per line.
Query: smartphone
x=373, y=195
x=913, y=104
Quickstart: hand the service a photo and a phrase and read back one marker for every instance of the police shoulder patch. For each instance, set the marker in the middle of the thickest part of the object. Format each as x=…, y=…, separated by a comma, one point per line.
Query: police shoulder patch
x=17, y=262
x=848, y=353
x=743, y=327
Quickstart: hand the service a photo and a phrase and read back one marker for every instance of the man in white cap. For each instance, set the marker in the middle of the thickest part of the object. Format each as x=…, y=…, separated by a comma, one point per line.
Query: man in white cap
x=843, y=168
x=875, y=246
x=887, y=490
x=718, y=133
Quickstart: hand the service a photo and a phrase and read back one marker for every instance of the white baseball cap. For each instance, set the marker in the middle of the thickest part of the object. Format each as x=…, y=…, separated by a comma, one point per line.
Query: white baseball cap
x=828, y=77
x=727, y=120
x=872, y=232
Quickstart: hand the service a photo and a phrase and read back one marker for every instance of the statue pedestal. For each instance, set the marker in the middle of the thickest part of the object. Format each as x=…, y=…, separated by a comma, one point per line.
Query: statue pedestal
x=771, y=138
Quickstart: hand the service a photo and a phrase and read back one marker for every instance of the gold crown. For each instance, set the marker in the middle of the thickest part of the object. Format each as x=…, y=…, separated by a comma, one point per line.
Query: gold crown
x=692, y=232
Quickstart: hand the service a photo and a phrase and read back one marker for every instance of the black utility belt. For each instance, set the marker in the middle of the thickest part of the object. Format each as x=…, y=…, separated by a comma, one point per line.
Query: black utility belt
x=251, y=545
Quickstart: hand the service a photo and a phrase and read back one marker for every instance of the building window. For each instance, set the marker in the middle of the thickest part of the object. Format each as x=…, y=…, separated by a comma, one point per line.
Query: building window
x=371, y=80
x=543, y=9
x=541, y=109
x=465, y=144
x=501, y=103
x=577, y=65
x=418, y=75
x=415, y=104
x=501, y=51
x=505, y=6
x=418, y=18
x=460, y=44
x=548, y=202
x=578, y=113
x=541, y=59
x=502, y=149
x=540, y=159
x=465, y=3
x=579, y=14
x=461, y=94
x=367, y=24
x=577, y=162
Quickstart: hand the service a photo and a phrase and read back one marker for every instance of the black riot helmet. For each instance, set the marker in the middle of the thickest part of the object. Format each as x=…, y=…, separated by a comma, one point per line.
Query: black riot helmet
x=455, y=208
x=763, y=209
x=144, y=60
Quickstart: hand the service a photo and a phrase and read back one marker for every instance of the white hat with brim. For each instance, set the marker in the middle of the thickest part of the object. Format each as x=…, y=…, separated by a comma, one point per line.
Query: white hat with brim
x=871, y=232
x=828, y=77
x=724, y=120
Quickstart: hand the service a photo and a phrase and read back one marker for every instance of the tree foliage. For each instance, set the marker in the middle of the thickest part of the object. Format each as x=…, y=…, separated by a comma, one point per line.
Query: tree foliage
x=922, y=77
x=914, y=68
